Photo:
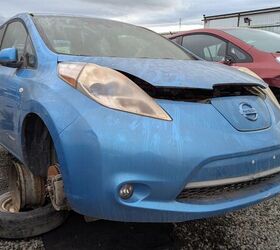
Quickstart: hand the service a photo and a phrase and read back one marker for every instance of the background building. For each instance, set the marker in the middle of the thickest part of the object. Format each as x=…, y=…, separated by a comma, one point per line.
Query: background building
x=266, y=19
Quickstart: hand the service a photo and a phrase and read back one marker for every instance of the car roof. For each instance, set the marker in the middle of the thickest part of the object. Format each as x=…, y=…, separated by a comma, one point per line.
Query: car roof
x=28, y=14
x=206, y=30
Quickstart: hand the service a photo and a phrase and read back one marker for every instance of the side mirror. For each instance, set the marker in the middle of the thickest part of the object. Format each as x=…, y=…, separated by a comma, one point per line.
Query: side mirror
x=9, y=58
x=228, y=60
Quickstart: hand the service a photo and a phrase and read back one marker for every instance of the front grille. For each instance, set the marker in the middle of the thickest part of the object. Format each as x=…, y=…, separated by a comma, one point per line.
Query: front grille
x=228, y=191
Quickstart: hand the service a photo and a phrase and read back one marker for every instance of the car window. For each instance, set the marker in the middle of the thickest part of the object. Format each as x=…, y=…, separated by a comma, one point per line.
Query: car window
x=30, y=55
x=15, y=37
x=2, y=30
x=238, y=54
x=260, y=39
x=207, y=47
x=176, y=40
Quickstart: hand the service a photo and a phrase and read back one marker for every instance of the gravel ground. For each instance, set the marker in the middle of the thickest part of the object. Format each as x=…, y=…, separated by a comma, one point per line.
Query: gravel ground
x=253, y=228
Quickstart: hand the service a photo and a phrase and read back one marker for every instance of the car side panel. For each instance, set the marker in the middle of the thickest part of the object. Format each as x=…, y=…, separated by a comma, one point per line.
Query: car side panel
x=9, y=108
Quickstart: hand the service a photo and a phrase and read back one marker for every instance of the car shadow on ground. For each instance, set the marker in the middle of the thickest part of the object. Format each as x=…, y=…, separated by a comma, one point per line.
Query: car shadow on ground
x=77, y=234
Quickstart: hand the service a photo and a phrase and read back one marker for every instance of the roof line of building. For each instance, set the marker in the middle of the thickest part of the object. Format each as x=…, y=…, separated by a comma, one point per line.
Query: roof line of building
x=242, y=13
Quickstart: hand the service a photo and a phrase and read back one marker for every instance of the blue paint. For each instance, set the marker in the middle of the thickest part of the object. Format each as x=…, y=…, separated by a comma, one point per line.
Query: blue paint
x=8, y=55
x=99, y=149
x=164, y=72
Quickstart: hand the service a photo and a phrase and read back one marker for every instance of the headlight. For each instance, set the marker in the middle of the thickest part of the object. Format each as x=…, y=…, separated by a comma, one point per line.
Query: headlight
x=278, y=59
x=111, y=89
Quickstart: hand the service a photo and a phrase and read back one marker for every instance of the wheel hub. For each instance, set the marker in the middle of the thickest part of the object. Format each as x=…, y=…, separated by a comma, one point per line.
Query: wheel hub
x=55, y=188
x=27, y=190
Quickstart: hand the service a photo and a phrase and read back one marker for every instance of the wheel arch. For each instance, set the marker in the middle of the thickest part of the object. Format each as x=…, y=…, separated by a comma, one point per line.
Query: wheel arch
x=38, y=138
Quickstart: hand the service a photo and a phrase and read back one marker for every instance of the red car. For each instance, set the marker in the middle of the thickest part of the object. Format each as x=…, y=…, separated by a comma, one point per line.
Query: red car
x=257, y=50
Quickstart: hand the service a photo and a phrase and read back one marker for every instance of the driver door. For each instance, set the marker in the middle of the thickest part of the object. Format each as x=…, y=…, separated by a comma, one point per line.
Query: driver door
x=15, y=36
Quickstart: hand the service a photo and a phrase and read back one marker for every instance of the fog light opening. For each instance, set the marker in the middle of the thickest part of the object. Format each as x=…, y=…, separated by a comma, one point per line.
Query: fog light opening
x=126, y=191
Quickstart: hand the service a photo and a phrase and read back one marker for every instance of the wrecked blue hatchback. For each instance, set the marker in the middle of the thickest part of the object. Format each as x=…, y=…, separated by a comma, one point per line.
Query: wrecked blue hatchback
x=115, y=122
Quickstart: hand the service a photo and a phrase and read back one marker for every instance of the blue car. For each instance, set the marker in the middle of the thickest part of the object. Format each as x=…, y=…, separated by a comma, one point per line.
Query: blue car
x=116, y=122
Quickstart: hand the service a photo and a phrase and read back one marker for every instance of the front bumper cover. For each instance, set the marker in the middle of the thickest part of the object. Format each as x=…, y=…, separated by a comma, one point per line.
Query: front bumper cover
x=104, y=149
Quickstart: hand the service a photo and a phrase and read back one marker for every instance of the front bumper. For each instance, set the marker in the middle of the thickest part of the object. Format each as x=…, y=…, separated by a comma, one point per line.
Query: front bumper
x=104, y=149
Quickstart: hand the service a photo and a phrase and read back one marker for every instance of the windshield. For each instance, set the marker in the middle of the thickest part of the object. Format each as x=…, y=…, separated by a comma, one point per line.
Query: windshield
x=104, y=38
x=260, y=39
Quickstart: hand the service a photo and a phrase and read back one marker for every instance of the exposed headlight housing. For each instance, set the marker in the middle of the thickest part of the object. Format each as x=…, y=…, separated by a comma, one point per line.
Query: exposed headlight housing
x=248, y=71
x=111, y=89
x=267, y=90
x=271, y=96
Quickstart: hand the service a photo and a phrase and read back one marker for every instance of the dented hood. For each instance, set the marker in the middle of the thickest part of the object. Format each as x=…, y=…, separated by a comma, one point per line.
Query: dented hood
x=172, y=73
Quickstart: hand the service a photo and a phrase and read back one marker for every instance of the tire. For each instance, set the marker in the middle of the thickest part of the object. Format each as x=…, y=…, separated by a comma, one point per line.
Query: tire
x=28, y=223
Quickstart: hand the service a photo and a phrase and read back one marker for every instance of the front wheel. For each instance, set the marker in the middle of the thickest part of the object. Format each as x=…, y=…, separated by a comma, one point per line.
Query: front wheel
x=25, y=208
x=24, y=224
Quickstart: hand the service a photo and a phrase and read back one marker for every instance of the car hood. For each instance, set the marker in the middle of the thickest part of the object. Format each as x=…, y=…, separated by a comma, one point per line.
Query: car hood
x=172, y=73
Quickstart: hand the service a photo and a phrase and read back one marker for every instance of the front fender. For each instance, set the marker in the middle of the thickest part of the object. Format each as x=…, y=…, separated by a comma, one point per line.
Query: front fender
x=56, y=120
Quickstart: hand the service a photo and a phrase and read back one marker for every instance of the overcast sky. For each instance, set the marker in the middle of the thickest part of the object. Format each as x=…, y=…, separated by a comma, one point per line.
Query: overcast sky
x=155, y=14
